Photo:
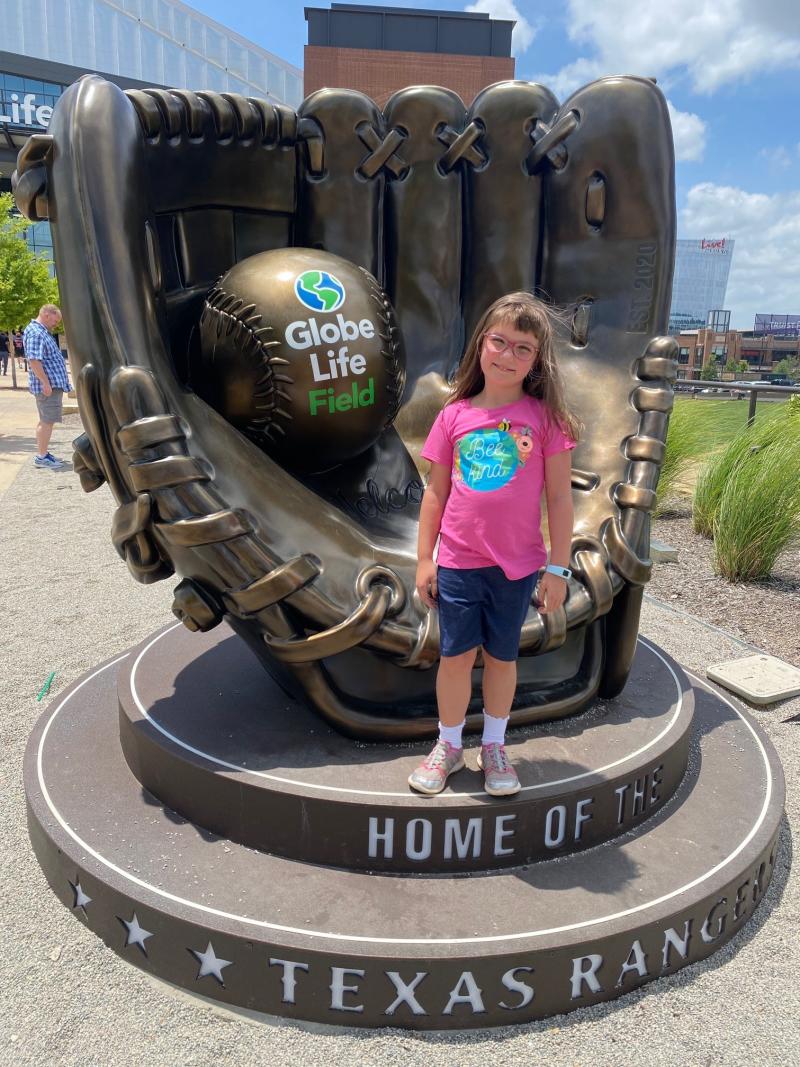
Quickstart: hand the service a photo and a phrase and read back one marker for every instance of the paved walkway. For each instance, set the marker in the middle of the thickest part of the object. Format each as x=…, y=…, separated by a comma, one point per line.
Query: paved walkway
x=17, y=423
x=18, y=420
x=68, y=603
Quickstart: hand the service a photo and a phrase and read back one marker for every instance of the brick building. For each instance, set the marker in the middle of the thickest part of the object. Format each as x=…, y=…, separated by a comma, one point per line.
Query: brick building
x=379, y=50
x=760, y=350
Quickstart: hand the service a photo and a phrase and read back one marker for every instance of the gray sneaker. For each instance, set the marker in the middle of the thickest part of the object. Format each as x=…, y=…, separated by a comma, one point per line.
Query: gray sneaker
x=432, y=774
x=500, y=778
x=49, y=462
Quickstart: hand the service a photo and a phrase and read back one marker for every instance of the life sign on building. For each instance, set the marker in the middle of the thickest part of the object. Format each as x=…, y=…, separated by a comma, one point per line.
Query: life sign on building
x=25, y=111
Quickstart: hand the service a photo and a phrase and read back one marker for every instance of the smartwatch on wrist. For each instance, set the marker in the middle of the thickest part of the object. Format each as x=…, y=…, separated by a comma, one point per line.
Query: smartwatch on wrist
x=562, y=572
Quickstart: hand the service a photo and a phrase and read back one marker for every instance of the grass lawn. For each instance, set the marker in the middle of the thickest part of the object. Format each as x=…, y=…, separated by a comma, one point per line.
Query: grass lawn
x=724, y=418
x=698, y=429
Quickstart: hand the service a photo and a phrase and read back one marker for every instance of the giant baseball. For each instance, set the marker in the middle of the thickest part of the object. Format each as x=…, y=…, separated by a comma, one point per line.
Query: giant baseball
x=299, y=349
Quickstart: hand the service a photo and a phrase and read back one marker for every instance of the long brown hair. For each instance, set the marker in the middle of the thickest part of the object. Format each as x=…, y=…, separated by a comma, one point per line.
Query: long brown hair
x=524, y=312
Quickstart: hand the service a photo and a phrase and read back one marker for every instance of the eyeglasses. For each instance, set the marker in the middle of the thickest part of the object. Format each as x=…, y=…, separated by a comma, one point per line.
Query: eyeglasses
x=496, y=343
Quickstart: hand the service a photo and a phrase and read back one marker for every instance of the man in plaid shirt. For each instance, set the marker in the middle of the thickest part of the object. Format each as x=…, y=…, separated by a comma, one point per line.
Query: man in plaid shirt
x=47, y=380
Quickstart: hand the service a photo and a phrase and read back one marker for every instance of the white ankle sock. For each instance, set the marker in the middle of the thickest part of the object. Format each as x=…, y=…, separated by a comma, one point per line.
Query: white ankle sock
x=494, y=729
x=451, y=734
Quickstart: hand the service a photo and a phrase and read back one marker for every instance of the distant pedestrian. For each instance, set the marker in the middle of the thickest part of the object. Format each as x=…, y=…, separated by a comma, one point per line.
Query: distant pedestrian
x=19, y=347
x=4, y=351
x=47, y=380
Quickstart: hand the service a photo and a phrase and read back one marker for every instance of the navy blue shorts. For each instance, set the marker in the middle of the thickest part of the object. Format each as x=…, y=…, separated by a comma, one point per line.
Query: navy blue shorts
x=480, y=607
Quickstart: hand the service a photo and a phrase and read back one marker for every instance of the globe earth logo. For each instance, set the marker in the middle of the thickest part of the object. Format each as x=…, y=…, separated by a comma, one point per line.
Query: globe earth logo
x=319, y=291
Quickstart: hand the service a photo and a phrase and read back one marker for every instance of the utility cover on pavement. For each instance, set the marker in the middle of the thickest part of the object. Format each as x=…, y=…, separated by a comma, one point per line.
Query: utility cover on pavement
x=761, y=679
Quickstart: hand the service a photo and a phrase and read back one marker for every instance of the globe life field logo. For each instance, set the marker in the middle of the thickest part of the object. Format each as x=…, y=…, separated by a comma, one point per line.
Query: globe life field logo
x=322, y=291
x=319, y=291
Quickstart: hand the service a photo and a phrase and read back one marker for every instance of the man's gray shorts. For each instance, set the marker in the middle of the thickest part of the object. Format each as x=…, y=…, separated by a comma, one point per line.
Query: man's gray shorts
x=50, y=407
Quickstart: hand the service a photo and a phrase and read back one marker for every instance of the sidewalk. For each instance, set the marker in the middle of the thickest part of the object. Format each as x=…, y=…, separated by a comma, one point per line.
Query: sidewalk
x=18, y=418
x=68, y=604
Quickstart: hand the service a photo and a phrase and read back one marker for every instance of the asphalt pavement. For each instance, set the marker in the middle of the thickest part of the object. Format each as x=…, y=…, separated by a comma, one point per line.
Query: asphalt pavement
x=68, y=603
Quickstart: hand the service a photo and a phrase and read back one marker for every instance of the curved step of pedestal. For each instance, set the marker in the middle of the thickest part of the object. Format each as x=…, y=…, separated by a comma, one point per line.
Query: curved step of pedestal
x=206, y=730
x=306, y=942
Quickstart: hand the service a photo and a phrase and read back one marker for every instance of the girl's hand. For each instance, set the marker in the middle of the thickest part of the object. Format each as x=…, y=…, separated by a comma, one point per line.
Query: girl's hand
x=426, y=582
x=551, y=592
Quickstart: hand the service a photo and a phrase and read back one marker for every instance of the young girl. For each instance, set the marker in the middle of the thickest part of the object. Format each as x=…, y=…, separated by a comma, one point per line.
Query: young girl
x=504, y=436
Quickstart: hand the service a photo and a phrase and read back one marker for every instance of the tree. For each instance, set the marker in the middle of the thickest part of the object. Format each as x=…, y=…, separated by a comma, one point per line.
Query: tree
x=25, y=282
x=736, y=366
x=790, y=367
x=708, y=373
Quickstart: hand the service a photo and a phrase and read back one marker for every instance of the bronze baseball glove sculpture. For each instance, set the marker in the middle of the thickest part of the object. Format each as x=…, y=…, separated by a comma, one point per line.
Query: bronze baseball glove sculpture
x=264, y=308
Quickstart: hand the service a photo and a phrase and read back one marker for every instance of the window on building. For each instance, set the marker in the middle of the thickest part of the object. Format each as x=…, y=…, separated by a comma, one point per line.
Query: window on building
x=58, y=35
x=215, y=46
x=237, y=60
x=257, y=71
x=164, y=15
x=104, y=38
x=683, y=355
x=275, y=80
x=196, y=39
x=152, y=58
x=128, y=50
x=174, y=63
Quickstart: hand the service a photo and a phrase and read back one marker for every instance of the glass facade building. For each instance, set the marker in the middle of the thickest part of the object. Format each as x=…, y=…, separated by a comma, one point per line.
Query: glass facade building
x=45, y=45
x=159, y=42
x=700, y=281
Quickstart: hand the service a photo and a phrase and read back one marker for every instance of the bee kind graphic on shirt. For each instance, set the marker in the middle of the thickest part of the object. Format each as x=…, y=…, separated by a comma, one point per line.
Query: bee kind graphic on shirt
x=486, y=460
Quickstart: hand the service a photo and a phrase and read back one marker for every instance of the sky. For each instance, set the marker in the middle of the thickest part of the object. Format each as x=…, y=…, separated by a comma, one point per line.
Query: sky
x=730, y=70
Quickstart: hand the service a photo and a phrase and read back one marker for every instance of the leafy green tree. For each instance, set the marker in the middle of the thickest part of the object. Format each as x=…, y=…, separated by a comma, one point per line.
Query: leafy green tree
x=790, y=366
x=25, y=282
x=709, y=373
x=736, y=366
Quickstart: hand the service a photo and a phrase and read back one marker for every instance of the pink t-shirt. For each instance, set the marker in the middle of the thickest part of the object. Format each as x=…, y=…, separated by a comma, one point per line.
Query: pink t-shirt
x=493, y=514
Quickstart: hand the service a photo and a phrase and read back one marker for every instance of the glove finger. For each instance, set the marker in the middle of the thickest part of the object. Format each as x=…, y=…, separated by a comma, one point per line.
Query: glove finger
x=342, y=175
x=609, y=205
x=503, y=203
x=424, y=230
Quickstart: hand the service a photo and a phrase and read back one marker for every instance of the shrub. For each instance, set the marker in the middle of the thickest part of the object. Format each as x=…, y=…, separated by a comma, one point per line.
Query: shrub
x=757, y=515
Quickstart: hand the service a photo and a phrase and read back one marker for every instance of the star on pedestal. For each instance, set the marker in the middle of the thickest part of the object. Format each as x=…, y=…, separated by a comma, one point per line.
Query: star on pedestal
x=81, y=899
x=137, y=935
x=210, y=963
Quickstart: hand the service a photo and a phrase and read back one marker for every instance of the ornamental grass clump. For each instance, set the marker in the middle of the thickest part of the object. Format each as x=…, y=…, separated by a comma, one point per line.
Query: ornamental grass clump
x=758, y=515
x=689, y=437
x=717, y=473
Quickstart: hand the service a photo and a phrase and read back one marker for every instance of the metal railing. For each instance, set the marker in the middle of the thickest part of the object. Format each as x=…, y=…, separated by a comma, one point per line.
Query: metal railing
x=753, y=388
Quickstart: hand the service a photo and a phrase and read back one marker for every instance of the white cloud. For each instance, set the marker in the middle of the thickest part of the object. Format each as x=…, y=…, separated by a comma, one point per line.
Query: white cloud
x=765, y=272
x=778, y=157
x=565, y=81
x=715, y=43
x=689, y=134
x=523, y=33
